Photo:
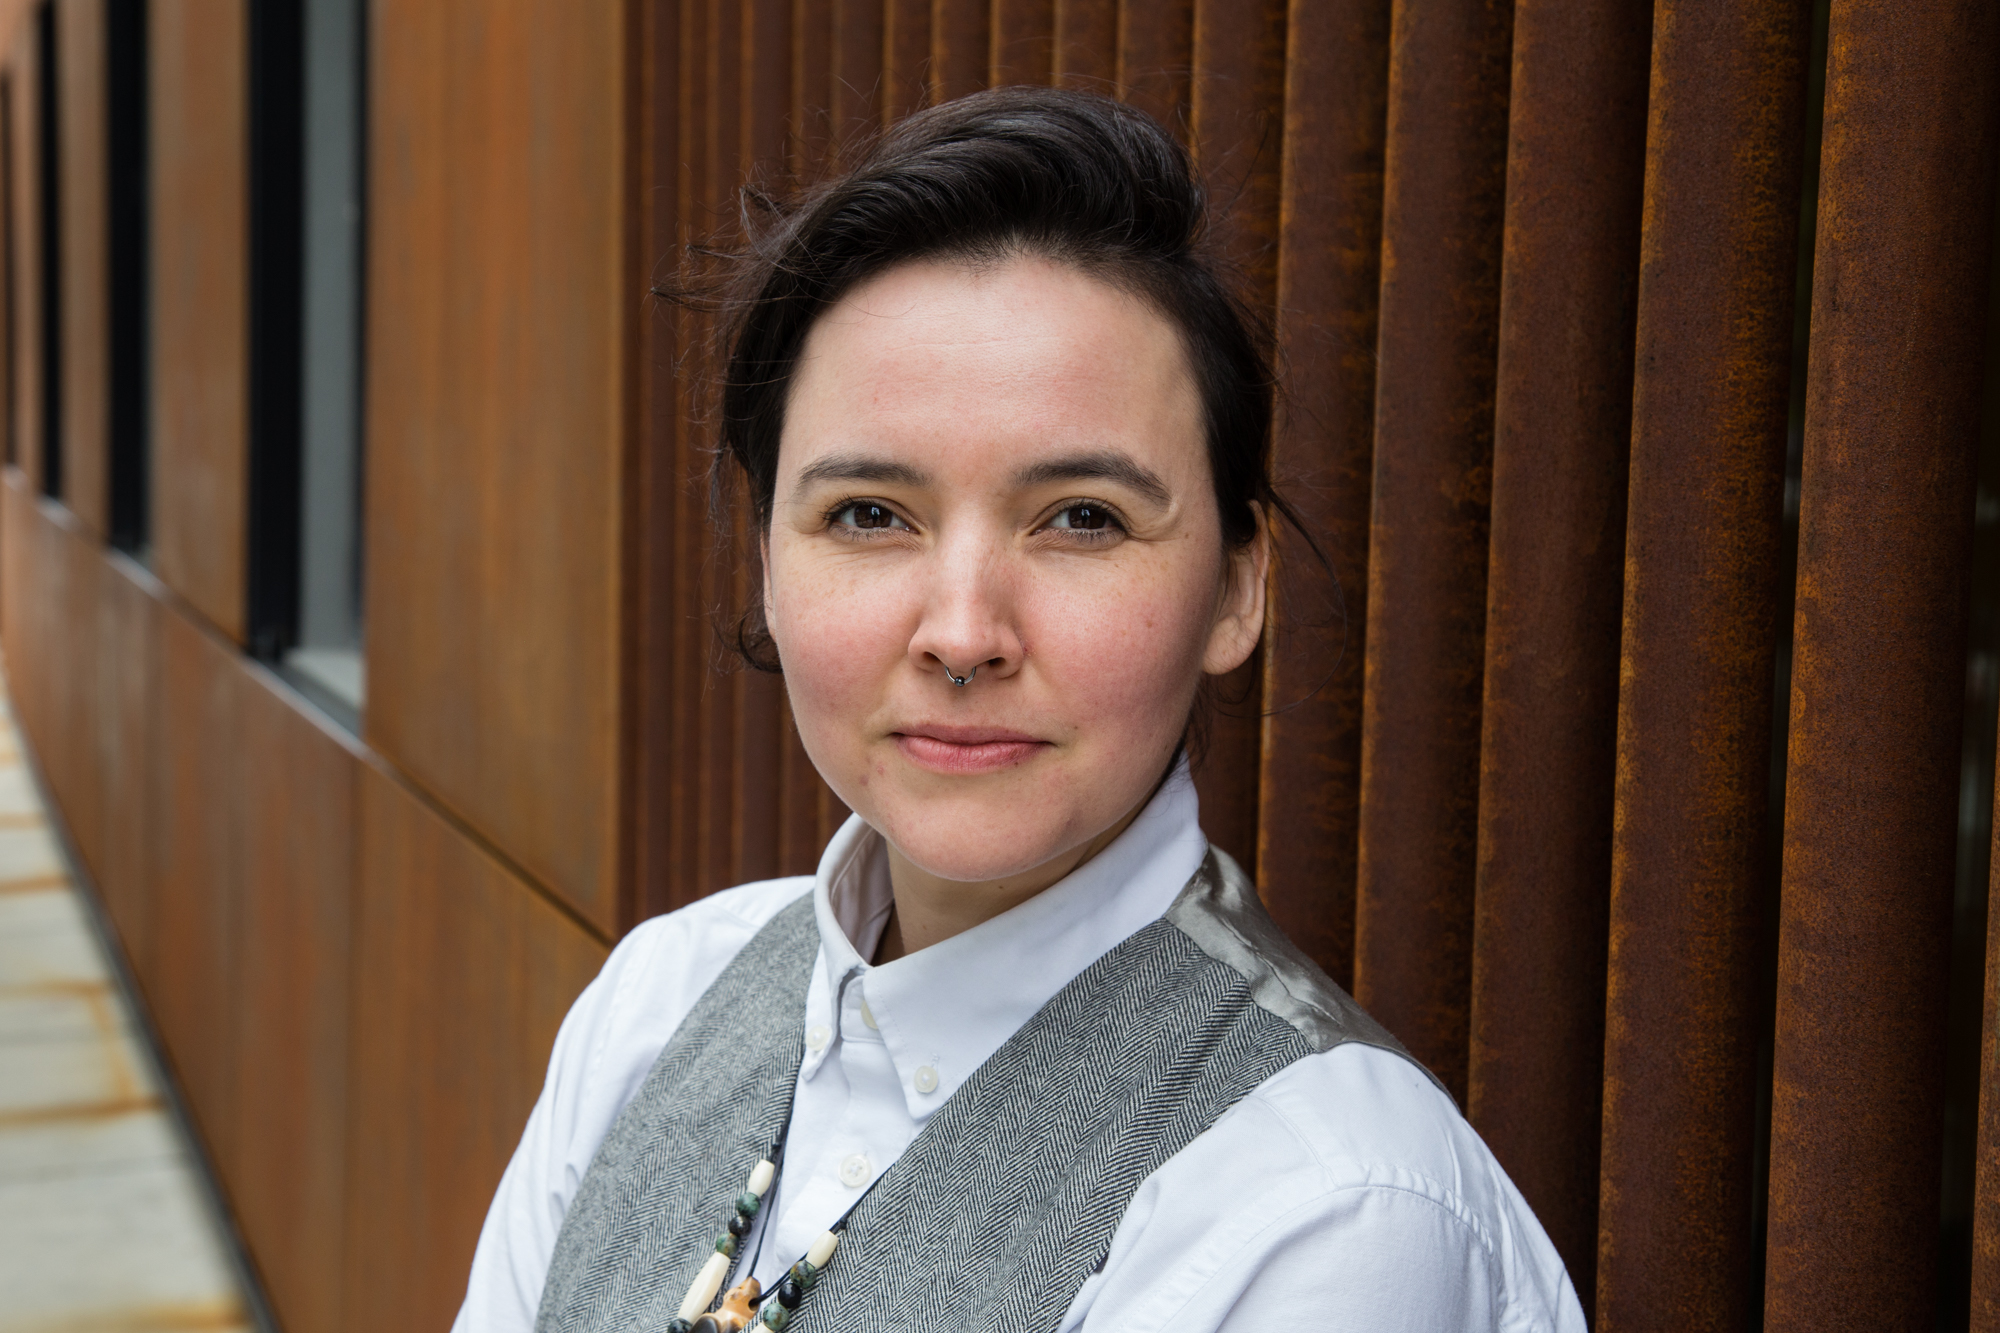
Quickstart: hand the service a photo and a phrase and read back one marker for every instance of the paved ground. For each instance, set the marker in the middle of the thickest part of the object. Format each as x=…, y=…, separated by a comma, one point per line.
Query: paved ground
x=104, y=1223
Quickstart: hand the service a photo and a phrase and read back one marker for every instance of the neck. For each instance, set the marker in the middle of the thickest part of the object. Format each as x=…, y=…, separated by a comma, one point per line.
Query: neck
x=930, y=910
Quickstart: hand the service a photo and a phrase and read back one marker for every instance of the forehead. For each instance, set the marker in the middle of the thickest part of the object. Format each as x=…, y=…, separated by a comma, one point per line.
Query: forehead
x=978, y=364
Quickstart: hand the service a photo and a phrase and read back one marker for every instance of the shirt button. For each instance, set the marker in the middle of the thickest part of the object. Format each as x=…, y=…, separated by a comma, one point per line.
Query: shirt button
x=868, y=1017
x=926, y=1079
x=817, y=1037
x=854, y=1171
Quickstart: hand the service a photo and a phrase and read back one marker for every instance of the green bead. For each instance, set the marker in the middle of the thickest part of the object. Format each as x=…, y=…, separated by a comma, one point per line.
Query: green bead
x=776, y=1316
x=746, y=1203
x=726, y=1245
x=804, y=1274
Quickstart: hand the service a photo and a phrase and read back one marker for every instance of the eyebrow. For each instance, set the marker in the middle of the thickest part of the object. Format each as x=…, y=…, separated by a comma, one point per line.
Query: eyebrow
x=1103, y=466
x=859, y=467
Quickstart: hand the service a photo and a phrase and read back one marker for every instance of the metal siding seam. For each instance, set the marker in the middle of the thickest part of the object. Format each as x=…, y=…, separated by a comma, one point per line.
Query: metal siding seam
x=1718, y=256
x=1449, y=68
x=1878, y=682
x=1329, y=276
x=1562, y=426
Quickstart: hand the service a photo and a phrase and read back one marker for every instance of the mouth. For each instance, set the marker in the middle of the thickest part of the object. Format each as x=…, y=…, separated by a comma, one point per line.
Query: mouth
x=965, y=750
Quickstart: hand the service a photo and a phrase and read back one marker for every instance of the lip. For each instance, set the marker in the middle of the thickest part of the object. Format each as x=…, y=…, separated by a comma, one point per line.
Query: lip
x=960, y=750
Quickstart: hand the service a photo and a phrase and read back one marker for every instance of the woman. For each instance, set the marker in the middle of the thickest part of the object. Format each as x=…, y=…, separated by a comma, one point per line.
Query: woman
x=1025, y=1053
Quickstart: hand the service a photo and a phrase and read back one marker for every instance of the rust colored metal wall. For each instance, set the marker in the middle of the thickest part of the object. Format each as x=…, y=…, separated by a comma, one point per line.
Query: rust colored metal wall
x=1336, y=109
x=1717, y=260
x=1555, y=586
x=1441, y=221
x=1878, y=682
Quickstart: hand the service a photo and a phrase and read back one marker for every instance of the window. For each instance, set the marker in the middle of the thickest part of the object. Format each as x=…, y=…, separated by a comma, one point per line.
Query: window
x=306, y=282
x=128, y=319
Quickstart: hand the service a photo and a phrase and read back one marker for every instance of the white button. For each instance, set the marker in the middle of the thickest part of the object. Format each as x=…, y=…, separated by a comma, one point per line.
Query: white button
x=817, y=1037
x=854, y=1171
x=868, y=1017
x=926, y=1079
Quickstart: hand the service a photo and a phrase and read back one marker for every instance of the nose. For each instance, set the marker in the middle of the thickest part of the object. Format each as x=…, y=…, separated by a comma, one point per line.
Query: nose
x=968, y=628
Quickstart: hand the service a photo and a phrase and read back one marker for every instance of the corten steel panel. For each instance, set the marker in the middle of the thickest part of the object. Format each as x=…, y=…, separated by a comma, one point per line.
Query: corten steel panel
x=463, y=974
x=1022, y=48
x=1561, y=430
x=1441, y=221
x=18, y=627
x=1329, y=276
x=499, y=301
x=194, y=946
x=812, y=35
x=961, y=36
x=297, y=866
x=197, y=223
x=1893, y=396
x=1155, y=57
x=855, y=91
x=86, y=312
x=1086, y=45
x=906, y=57
x=127, y=728
x=68, y=581
x=1718, y=249
x=1237, y=118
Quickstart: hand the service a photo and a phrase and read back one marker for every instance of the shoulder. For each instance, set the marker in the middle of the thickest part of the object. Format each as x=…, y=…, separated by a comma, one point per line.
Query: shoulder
x=1354, y=1183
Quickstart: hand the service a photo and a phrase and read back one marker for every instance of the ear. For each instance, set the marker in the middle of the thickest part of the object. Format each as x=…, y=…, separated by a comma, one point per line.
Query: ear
x=1239, y=611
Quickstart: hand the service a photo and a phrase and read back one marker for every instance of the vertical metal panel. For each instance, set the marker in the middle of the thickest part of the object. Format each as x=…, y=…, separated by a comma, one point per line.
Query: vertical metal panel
x=855, y=94
x=812, y=34
x=86, y=301
x=199, y=308
x=906, y=57
x=1329, y=274
x=1562, y=426
x=1446, y=166
x=1985, y=1295
x=1237, y=119
x=1713, y=351
x=651, y=481
x=961, y=35
x=1155, y=53
x=1878, y=680
x=1086, y=47
x=297, y=861
x=1023, y=42
x=444, y=934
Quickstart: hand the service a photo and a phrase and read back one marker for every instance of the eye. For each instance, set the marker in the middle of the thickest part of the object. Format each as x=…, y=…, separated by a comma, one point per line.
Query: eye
x=1083, y=518
x=867, y=516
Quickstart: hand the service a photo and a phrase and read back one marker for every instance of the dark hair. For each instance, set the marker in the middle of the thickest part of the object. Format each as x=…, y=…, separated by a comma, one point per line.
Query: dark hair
x=1070, y=176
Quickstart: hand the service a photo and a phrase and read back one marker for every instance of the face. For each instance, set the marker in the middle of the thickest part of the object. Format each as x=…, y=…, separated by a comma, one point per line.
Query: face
x=998, y=471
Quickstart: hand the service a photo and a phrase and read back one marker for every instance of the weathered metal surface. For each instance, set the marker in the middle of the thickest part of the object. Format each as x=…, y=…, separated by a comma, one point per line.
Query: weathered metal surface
x=1155, y=48
x=1878, y=679
x=906, y=57
x=1718, y=252
x=1086, y=53
x=1562, y=425
x=1445, y=173
x=1329, y=276
x=961, y=32
x=1985, y=1295
x=1023, y=49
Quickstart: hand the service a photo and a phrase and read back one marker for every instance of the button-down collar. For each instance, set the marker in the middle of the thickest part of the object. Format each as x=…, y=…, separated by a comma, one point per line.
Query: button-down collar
x=942, y=1011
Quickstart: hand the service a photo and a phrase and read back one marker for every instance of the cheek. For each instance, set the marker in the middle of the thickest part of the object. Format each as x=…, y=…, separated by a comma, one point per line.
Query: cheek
x=1125, y=652
x=839, y=637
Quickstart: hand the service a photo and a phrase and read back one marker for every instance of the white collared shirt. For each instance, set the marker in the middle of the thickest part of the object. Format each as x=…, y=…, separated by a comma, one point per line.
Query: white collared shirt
x=1344, y=1193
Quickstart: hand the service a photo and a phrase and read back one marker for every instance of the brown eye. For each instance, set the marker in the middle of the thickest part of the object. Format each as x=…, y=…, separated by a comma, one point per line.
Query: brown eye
x=1085, y=518
x=868, y=517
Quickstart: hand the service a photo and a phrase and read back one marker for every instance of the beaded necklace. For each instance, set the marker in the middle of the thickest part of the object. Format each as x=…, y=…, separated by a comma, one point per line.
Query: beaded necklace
x=746, y=1302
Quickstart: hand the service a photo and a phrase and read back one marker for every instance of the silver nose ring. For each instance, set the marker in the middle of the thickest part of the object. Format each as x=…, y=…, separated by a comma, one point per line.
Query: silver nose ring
x=958, y=680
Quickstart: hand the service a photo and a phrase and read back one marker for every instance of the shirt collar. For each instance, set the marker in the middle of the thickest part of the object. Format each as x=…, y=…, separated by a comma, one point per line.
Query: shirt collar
x=944, y=1010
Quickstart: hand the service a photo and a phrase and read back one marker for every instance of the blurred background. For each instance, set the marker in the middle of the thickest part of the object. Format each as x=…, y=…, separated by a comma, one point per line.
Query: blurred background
x=362, y=606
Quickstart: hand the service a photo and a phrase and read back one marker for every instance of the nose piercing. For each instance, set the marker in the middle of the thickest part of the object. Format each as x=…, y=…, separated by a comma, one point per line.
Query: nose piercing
x=958, y=680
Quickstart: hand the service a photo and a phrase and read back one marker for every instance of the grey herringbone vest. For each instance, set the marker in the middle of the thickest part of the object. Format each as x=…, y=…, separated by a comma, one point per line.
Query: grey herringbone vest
x=1007, y=1199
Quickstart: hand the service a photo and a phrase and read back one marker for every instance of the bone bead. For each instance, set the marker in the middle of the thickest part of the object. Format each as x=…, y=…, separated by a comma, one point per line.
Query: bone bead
x=706, y=1283
x=822, y=1249
x=760, y=1179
